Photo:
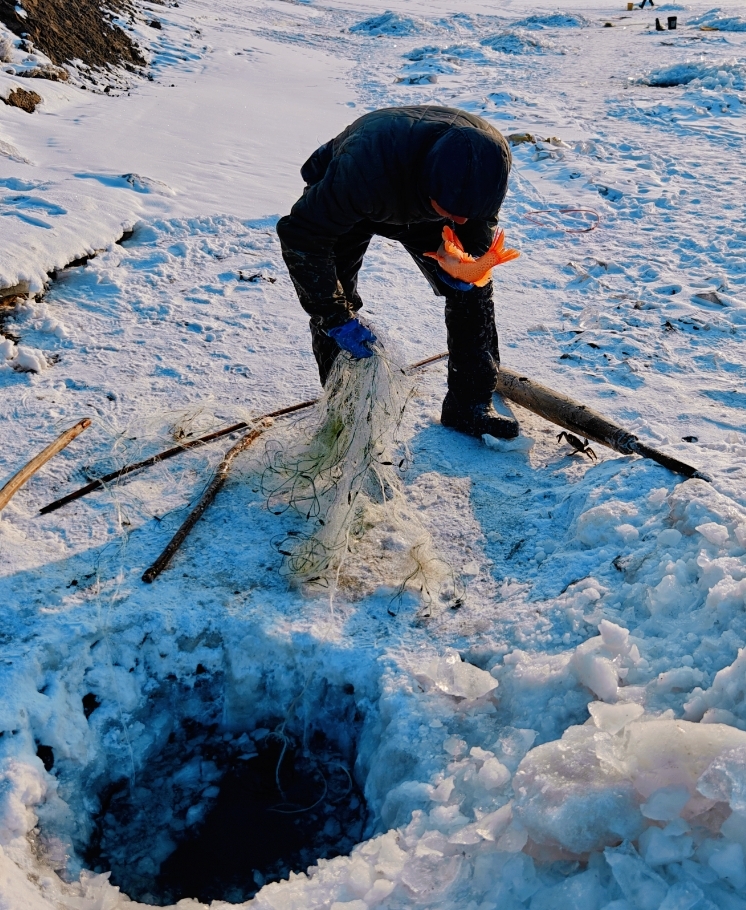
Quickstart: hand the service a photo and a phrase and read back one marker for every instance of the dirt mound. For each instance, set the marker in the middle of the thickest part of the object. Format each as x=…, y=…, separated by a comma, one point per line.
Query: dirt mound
x=27, y=101
x=65, y=31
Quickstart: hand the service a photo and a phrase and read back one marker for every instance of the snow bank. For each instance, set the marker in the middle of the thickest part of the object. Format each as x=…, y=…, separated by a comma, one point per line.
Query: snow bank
x=19, y=62
x=720, y=20
x=389, y=23
x=518, y=43
x=552, y=20
x=50, y=224
x=728, y=74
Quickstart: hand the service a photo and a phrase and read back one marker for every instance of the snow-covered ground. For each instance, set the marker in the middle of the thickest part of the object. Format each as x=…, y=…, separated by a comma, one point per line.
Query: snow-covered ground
x=574, y=734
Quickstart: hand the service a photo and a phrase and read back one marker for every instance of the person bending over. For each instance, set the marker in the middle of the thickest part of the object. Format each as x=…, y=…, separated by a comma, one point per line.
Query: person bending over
x=404, y=173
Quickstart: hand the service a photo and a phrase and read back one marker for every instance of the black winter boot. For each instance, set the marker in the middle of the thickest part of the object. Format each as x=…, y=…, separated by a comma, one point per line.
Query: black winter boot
x=476, y=418
x=473, y=353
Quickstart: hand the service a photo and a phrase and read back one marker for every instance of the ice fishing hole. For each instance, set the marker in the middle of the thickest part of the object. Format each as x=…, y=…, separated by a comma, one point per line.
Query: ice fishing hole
x=216, y=814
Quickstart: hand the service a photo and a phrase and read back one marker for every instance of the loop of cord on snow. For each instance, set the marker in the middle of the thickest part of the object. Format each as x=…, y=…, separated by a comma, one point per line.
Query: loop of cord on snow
x=529, y=216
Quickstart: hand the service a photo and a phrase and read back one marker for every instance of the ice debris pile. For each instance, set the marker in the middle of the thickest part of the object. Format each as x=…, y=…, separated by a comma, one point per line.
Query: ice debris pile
x=652, y=807
x=517, y=42
x=552, y=20
x=390, y=23
x=629, y=810
x=726, y=74
x=719, y=20
x=39, y=324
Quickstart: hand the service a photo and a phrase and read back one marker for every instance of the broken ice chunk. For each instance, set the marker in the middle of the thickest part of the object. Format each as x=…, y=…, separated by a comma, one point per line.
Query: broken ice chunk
x=638, y=883
x=493, y=774
x=659, y=848
x=454, y=746
x=713, y=532
x=429, y=876
x=584, y=792
x=391, y=857
x=665, y=804
x=519, y=444
x=359, y=876
x=379, y=892
x=480, y=754
x=595, y=669
x=194, y=814
x=604, y=524
x=681, y=896
x=734, y=828
x=491, y=826
x=442, y=793
x=614, y=637
x=452, y=676
x=514, y=839
x=729, y=864
x=613, y=718
x=468, y=835
x=627, y=532
x=725, y=779
x=512, y=744
x=669, y=537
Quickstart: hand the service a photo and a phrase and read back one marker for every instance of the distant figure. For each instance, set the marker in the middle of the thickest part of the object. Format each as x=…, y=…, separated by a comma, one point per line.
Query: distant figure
x=405, y=173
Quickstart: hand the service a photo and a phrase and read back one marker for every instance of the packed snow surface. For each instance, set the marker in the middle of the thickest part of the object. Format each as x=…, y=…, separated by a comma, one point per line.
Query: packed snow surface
x=562, y=723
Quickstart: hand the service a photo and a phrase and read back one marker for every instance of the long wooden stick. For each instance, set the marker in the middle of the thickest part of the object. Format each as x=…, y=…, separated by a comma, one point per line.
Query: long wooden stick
x=18, y=480
x=100, y=482
x=423, y=363
x=207, y=497
x=570, y=414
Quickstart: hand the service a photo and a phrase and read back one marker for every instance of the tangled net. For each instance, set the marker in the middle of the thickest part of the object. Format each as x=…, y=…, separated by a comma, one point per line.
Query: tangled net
x=340, y=469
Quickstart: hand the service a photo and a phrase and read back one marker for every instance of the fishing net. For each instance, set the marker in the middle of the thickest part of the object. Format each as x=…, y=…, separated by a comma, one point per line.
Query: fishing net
x=340, y=468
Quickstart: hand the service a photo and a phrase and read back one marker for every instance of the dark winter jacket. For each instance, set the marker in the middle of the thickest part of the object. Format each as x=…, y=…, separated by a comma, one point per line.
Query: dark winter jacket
x=384, y=169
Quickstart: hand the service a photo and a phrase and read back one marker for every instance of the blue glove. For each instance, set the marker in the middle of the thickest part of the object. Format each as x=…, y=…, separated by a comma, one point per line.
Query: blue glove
x=353, y=337
x=453, y=282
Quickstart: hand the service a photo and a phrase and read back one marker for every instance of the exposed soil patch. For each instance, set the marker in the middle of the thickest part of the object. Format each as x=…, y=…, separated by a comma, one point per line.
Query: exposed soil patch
x=27, y=101
x=66, y=31
x=8, y=296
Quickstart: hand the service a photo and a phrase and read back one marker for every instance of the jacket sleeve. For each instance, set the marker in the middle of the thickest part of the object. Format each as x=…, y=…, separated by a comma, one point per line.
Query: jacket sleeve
x=325, y=211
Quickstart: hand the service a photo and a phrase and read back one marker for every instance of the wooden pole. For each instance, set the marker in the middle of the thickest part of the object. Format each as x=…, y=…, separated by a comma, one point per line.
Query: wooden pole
x=101, y=482
x=576, y=417
x=18, y=480
x=423, y=363
x=207, y=497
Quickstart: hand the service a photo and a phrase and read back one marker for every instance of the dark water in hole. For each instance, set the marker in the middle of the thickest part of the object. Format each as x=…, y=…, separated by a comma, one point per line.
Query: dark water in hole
x=250, y=831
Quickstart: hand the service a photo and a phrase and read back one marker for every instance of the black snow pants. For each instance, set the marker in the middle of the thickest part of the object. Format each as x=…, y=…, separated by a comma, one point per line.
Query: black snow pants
x=473, y=353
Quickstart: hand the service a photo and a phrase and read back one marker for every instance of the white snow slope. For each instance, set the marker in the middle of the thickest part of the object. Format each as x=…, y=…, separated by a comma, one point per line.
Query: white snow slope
x=575, y=734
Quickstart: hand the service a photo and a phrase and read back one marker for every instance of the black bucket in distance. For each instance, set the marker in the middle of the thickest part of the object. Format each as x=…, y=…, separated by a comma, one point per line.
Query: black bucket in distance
x=672, y=22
